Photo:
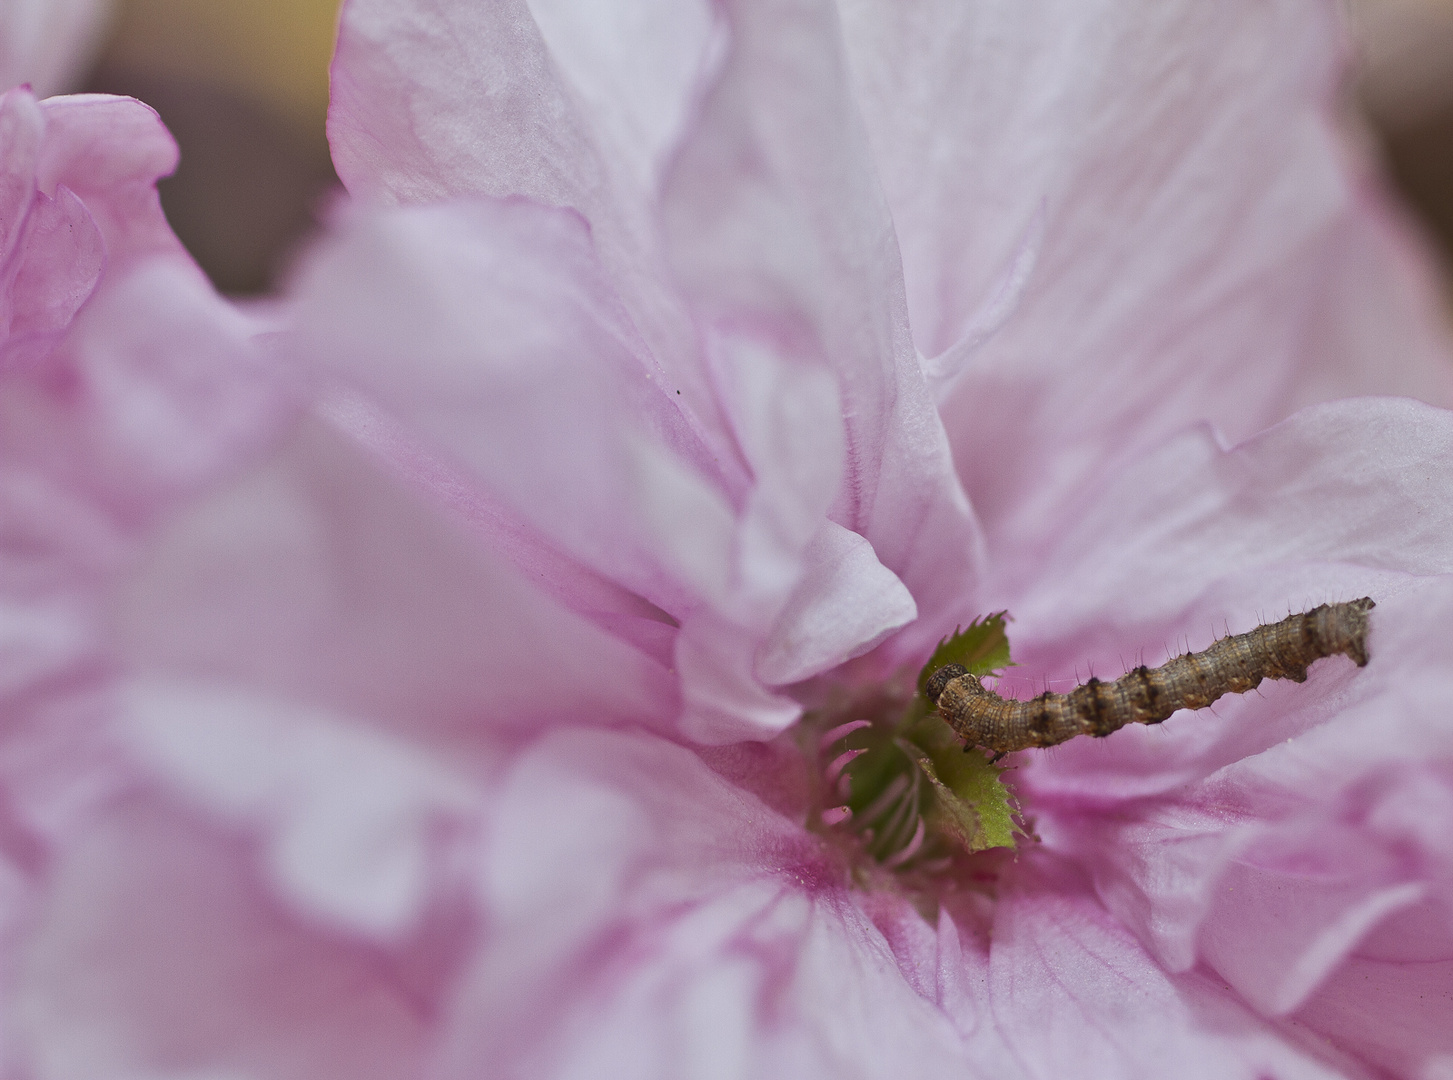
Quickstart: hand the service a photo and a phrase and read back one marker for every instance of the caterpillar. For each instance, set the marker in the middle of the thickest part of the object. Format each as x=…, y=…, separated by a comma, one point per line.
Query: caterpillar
x=1233, y=665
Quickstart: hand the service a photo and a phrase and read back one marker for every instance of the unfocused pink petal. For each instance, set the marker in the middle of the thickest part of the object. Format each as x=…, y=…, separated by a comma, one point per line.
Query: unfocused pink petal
x=57, y=264
x=152, y=952
x=355, y=823
x=320, y=579
x=58, y=550
x=133, y=410
x=111, y=151
x=46, y=42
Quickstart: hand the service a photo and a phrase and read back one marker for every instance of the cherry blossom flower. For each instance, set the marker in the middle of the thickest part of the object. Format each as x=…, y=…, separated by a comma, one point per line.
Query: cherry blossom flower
x=685, y=368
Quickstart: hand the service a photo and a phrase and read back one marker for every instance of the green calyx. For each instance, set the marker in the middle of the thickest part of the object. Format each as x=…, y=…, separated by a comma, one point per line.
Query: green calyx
x=912, y=795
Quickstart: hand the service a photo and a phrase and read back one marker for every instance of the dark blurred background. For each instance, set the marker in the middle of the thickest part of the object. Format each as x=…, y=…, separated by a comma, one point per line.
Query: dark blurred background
x=1405, y=89
x=243, y=86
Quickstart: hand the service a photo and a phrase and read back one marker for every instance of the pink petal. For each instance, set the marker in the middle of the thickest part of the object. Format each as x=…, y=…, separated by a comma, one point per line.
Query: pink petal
x=321, y=580
x=157, y=389
x=845, y=605
x=1389, y=1008
x=1072, y=993
x=58, y=263
x=568, y=582
x=532, y=391
x=111, y=151
x=452, y=99
x=519, y=367
x=1213, y=249
x=648, y=919
x=1193, y=537
x=458, y=99
x=47, y=43
x=1275, y=842
x=633, y=69
x=356, y=823
x=778, y=230
x=151, y=952
x=56, y=552
x=21, y=129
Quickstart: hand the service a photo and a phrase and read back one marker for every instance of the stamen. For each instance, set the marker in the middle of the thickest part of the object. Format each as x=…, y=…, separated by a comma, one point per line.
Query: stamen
x=836, y=815
x=839, y=763
x=842, y=730
x=886, y=799
x=910, y=851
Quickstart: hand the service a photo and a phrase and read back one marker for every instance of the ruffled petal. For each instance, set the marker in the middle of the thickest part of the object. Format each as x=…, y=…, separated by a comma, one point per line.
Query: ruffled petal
x=1192, y=537
x=530, y=387
x=1270, y=837
x=578, y=111
x=1072, y=993
x=1211, y=248
x=649, y=919
x=777, y=228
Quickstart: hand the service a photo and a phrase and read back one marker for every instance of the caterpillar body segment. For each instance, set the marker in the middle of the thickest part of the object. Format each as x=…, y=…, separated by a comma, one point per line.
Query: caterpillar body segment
x=1232, y=665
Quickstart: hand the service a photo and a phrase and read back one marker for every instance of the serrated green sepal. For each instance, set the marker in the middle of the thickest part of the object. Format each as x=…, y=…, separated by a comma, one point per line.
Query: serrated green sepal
x=982, y=648
x=971, y=807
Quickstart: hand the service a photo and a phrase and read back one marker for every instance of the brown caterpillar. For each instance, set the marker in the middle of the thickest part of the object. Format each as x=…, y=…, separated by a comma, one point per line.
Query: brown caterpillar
x=1233, y=665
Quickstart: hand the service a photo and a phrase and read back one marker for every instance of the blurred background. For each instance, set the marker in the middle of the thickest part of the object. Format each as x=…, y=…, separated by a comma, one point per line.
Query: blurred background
x=243, y=86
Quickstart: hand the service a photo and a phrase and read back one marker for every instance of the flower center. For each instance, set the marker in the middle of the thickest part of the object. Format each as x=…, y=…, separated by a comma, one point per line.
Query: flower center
x=893, y=779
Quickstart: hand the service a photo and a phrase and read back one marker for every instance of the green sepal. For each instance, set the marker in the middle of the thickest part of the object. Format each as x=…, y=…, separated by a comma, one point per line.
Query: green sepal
x=971, y=806
x=982, y=648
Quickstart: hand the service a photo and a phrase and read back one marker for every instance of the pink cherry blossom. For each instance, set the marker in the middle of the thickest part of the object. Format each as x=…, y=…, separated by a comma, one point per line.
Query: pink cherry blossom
x=678, y=367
